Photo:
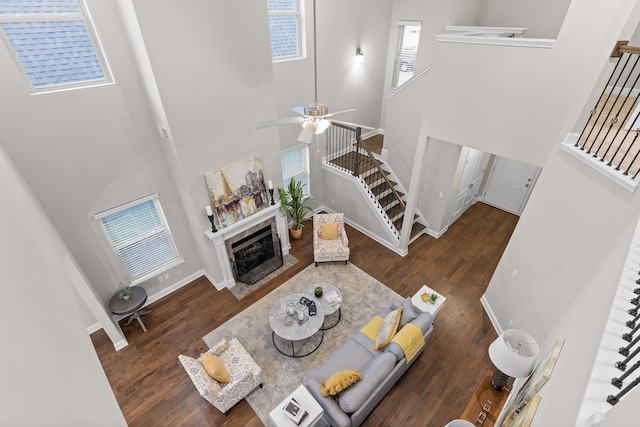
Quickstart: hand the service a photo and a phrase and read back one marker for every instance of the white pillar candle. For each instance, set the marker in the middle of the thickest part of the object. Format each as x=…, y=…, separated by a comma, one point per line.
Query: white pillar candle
x=270, y=185
x=209, y=211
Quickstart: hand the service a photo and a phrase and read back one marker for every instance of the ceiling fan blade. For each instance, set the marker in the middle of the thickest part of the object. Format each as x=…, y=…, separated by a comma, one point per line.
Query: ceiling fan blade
x=340, y=112
x=278, y=122
x=299, y=110
x=351, y=125
x=308, y=132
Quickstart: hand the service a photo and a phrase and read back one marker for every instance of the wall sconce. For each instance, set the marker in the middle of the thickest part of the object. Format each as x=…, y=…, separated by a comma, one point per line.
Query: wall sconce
x=359, y=56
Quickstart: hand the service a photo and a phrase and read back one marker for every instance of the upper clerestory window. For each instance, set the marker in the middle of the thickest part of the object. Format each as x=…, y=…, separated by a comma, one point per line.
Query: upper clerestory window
x=54, y=43
x=285, y=29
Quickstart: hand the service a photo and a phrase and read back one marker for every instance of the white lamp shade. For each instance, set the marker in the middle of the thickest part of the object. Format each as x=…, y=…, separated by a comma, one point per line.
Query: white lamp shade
x=308, y=132
x=514, y=352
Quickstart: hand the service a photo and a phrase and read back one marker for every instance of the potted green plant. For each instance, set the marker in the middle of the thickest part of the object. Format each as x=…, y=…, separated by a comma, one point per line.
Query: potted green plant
x=293, y=203
x=125, y=293
x=433, y=298
x=318, y=291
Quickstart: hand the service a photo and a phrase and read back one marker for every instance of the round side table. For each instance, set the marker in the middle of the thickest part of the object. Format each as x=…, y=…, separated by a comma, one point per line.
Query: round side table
x=329, y=310
x=124, y=307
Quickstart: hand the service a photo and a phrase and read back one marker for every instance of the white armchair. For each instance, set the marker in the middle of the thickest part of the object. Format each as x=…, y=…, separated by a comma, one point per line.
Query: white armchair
x=244, y=372
x=330, y=242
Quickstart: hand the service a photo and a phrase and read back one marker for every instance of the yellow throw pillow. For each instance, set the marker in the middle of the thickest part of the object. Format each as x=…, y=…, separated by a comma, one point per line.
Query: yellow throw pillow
x=215, y=368
x=329, y=230
x=339, y=381
x=388, y=329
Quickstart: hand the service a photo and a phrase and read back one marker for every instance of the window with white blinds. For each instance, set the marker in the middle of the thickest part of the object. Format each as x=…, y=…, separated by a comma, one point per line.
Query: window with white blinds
x=140, y=237
x=406, y=52
x=295, y=164
x=285, y=29
x=54, y=43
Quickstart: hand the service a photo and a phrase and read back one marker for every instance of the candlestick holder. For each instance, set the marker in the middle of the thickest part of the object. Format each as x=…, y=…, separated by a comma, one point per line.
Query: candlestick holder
x=213, y=224
x=273, y=202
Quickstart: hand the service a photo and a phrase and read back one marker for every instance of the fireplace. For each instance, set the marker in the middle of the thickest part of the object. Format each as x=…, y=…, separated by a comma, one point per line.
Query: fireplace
x=237, y=238
x=255, y=252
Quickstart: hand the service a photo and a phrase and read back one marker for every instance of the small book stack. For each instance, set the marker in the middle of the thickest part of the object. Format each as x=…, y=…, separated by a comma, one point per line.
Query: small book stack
x=294, y=411
x=333, y=298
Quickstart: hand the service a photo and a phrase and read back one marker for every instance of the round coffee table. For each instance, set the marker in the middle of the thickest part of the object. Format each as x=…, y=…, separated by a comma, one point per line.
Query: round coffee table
x=328, y=308
x=292, y=331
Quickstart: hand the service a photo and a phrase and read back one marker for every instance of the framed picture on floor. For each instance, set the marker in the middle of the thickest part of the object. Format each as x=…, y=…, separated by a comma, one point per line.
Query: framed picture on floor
x=534, y=383
x=525, y=417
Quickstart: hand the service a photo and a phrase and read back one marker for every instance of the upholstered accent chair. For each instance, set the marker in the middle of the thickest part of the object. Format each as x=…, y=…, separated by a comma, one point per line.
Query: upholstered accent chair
x=244, y=373
x=330, y=242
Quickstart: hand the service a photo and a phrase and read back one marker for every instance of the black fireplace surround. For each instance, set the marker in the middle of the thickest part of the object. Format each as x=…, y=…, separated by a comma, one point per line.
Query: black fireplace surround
x=255, y=252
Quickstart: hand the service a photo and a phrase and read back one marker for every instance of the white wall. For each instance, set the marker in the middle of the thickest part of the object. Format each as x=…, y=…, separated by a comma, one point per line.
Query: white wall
x=342, y=84
x=213, y=91
x=566, y=248
x=342, y=195
x=542, y=18
x=86, y=150
x=50, y=372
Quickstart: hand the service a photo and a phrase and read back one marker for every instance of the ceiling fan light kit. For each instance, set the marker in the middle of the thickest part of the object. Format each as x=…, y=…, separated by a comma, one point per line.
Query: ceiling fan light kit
x=316, y=110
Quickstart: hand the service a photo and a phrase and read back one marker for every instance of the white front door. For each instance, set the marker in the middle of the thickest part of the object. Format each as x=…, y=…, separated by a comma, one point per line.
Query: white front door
x=510, y=184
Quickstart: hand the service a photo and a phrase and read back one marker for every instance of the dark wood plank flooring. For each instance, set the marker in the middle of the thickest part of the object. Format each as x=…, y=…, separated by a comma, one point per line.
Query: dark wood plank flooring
x=153, y=389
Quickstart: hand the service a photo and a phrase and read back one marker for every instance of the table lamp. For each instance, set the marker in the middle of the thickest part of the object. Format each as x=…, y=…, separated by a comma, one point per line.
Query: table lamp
x=514, y=354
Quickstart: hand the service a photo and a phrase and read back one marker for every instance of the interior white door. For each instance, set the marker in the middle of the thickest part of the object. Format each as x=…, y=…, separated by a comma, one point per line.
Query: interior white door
x=510, y=184
x=472, y=174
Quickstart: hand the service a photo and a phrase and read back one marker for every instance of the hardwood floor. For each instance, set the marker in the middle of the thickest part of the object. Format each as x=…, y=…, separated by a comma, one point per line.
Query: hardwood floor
x=153, y=389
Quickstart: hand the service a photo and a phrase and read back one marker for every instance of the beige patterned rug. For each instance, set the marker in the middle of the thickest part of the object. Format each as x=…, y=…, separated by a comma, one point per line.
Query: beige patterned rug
x=363, y=297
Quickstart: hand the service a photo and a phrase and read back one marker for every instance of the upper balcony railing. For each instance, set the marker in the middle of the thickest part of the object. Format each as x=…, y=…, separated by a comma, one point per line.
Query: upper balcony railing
x=504, y=36
x=610, y=139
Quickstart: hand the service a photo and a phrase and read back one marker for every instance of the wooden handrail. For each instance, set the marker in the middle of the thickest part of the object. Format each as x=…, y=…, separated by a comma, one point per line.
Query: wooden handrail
x=622, y=46
x=375, y=162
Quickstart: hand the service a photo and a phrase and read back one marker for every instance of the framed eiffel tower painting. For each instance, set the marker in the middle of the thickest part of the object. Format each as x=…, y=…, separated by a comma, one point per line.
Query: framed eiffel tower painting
x=237, y=191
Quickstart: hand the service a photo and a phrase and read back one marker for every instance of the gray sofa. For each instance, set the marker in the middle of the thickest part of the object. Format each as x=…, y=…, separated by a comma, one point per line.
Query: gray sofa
x=380, y=371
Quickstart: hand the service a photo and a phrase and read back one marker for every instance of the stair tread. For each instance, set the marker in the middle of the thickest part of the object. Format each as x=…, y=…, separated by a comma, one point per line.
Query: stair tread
x=388, y=199
x=416, y=229
x=377, y=175
x=398, y=222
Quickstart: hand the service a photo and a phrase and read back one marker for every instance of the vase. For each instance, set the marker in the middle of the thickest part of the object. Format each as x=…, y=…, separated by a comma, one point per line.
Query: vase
x=296, y=233
x=317, y=292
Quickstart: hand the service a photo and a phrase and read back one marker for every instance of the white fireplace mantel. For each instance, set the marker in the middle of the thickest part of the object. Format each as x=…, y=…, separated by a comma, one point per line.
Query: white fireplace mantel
x=219, y=237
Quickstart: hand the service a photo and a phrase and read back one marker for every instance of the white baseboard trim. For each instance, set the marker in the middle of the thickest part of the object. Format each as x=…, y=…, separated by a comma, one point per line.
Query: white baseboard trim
x=94, y=328
x=436, y=234
x=120, y=344
x=491, y=314
x=166, y=291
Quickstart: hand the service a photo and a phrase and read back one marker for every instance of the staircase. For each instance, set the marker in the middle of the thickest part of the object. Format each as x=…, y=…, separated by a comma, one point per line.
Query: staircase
x=353, y=156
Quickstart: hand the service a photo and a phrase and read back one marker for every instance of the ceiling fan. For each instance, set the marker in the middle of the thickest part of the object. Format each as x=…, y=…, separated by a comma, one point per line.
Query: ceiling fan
x=314, y=118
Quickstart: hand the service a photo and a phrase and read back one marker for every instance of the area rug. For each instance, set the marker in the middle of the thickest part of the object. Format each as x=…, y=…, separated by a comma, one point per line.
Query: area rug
x=241, y=290
x=363, y=297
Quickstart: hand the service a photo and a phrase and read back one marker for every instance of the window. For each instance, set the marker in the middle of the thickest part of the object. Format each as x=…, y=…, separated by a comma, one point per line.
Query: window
x=54, y=43
x=285, y=29
x=406, y=52
x=295, y=164
x=140, y=237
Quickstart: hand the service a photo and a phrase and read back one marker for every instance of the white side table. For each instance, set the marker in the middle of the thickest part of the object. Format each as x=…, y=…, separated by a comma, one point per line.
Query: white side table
x=423, y=306
x=305, y=400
